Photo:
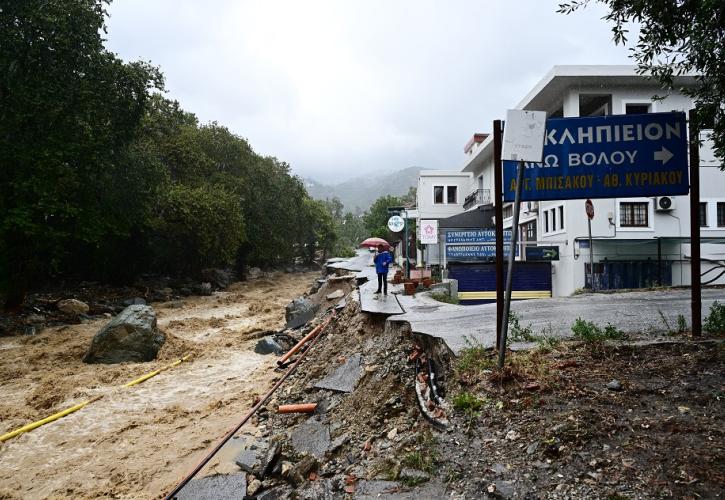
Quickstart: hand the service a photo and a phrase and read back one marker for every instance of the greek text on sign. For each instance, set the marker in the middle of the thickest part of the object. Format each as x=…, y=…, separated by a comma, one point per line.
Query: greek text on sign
x=429, y=232
x=614, y=156
x=473, y=252
x=475, y=236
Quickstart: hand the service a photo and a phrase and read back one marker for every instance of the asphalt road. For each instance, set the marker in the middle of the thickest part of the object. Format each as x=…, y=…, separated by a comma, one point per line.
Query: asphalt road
x=649, y=313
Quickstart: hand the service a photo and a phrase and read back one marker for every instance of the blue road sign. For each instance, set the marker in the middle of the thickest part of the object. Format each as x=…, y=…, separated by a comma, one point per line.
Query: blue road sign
x=471, y=253
x=468, y=245
x=613, y=156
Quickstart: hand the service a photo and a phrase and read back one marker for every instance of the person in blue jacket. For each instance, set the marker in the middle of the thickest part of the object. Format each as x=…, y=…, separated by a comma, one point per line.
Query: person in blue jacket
x=382, y=263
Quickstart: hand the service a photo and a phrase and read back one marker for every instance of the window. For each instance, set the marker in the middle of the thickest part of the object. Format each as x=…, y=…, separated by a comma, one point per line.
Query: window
x=528, y=231
x=508, y=211
x=703, y=214
x=634, y=214
x=636, y=109
x=720, y=214
x=445, y=194
x=550, y=217
x=438, y=194
x=452, y=192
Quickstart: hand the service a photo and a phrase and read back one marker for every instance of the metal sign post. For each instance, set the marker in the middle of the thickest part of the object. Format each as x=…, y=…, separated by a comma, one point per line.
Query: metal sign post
x=589, y=206
x=510, y=270
x=523, y=141
x=498, y=208
x=695, y=278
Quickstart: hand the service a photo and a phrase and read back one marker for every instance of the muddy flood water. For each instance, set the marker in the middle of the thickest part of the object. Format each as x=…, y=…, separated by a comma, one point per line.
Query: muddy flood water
x=136, y=442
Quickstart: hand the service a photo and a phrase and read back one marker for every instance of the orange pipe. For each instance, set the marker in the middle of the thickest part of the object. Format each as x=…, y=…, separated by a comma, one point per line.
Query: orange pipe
x=298, y=408
x=281, y=361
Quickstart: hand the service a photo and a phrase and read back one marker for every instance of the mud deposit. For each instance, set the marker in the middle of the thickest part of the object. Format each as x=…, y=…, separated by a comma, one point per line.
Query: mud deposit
x=136, y=442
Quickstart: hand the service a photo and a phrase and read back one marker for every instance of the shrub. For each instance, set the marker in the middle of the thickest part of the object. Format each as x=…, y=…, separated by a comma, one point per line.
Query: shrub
x=715, y=320
x=592, y=333
x=518, y=333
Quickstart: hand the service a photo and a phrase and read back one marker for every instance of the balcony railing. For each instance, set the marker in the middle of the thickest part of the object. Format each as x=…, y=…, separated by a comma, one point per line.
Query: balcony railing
x=478, y=197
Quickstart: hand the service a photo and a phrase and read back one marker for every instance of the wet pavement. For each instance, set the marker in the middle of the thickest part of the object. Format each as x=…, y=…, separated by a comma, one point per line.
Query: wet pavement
x=458, y=327
x=647, y=312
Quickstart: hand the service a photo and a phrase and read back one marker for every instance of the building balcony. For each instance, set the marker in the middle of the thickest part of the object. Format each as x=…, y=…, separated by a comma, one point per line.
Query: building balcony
x=478, y=197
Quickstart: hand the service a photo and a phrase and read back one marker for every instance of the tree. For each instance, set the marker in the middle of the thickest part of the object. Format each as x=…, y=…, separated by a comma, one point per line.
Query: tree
x=69, y=109
x=676, y=38
x=376, y=217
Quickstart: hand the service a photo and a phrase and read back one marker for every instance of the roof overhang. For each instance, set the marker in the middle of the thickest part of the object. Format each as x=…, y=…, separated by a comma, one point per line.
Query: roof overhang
x=551, y=89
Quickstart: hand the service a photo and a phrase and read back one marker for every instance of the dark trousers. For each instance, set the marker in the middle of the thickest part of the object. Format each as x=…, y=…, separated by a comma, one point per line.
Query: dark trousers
x=383, y=283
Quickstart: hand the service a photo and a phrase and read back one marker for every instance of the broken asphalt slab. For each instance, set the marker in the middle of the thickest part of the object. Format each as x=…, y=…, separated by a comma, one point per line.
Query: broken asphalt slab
x=459, y=327
x=345, y=377
x=311, y=437
x=373, y=303
x=219, y=487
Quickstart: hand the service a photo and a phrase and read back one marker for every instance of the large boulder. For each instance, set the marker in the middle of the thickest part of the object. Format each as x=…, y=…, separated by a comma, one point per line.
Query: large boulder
x=298, y=312
x=219, y=278
x=130, y=336
x=73, y=307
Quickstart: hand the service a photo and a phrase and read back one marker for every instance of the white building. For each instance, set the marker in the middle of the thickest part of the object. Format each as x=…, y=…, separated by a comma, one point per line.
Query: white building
x=636, y=241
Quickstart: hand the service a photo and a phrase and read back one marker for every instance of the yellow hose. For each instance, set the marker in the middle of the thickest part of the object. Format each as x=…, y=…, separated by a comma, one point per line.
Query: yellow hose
x=156, y=372
x=46, y=420
x=68, y=411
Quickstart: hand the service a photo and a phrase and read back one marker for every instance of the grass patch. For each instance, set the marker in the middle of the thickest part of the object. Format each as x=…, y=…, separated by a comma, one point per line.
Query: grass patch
x=473, y=363
x=591, y=333
x=425, y=454
x=547, y=344
x=715, y=320
x=443, y=297
x=468, y=403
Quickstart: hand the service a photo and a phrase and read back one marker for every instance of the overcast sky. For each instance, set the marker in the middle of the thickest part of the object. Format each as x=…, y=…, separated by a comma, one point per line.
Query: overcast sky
x=340, y=88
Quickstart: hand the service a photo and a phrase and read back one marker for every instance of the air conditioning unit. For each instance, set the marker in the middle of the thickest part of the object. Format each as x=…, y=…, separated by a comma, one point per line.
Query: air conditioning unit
x=664, y=203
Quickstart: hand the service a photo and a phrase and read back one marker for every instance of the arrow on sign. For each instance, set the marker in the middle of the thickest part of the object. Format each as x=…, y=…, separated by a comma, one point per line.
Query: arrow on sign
x=663, y=155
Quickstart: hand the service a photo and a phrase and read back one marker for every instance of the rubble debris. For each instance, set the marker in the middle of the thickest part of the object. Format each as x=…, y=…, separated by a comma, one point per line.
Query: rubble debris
x=614, y=385
x=226, y=486
x=267, y=345
x=338, y=294
x=311, y=437
x=345, y=377
x=130, y=336
x=250, y=458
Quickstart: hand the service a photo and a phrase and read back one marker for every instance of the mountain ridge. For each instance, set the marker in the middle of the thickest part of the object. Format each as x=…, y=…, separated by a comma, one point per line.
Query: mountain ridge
x=359, y=193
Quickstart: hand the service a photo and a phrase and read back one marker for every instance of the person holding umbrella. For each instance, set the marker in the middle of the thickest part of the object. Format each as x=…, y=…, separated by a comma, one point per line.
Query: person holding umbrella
x=382, y=261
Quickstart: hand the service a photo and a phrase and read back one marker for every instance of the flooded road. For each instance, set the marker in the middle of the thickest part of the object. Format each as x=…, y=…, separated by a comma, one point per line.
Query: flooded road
x=136, y=442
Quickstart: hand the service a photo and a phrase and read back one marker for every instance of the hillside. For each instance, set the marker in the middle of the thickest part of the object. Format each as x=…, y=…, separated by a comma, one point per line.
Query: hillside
x=359, y=193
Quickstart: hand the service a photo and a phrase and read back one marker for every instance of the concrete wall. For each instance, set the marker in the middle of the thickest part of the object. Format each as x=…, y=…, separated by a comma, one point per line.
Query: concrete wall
x=430, y=178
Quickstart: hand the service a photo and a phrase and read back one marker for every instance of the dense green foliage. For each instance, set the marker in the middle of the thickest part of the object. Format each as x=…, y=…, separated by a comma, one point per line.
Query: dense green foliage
x=349, y=229
x=676, y=38
x=103, y=178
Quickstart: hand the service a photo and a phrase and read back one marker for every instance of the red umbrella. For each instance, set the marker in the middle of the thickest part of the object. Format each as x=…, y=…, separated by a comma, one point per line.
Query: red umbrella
x=374, y=242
